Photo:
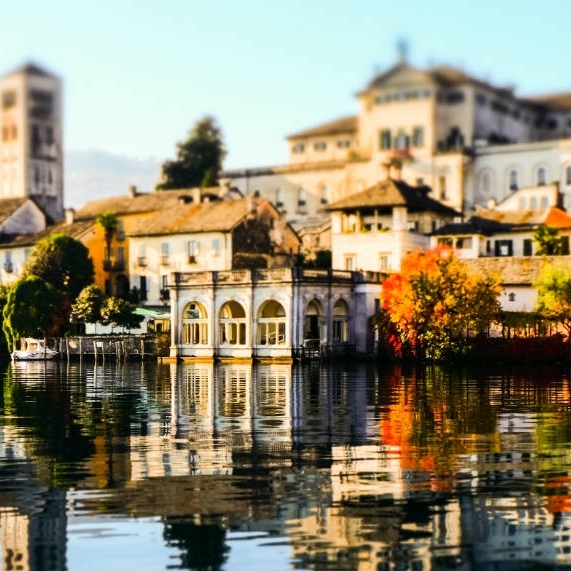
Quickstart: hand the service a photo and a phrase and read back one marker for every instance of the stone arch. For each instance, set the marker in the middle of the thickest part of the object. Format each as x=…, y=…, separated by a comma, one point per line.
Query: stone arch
x=195, y=329
x=232, y=324
x=340, y=333
x=271, y=323
x=313, y=320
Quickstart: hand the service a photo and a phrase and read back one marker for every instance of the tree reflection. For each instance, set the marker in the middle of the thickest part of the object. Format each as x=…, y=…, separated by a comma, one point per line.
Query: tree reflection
x=203, y=546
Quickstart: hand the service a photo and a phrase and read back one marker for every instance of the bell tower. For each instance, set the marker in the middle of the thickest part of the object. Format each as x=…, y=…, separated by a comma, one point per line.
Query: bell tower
x=31, y=138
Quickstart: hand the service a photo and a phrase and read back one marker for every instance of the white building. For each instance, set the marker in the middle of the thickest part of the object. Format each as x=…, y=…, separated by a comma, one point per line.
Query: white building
x=468, y=140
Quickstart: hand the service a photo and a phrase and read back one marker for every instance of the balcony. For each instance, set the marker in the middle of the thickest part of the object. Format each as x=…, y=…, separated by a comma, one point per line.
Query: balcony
x=165, y=260
x=142, y=261
x=114, y=265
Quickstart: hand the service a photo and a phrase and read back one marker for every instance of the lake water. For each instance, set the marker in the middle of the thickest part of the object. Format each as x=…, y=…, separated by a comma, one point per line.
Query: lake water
x=148, y=466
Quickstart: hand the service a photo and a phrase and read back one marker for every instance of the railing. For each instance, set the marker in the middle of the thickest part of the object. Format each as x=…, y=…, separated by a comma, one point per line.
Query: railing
x=114, y=265
x=277, y=275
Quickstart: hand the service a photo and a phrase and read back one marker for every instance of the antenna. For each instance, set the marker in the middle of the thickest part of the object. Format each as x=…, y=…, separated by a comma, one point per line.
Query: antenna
x=402, y=50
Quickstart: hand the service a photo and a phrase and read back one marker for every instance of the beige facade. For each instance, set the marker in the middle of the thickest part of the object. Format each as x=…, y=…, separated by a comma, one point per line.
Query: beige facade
x=468, y=140
x=31, y=138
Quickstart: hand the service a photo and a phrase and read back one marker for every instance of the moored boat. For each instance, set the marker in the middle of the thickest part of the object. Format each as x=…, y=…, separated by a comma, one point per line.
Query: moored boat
x=34, y=350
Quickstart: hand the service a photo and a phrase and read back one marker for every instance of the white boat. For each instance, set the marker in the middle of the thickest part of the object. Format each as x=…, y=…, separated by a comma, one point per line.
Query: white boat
x=33, y=350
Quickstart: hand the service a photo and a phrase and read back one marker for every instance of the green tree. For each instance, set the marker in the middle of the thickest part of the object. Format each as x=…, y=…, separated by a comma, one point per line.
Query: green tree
x=548, y=241
x=199, y=158
x=554, y=295
x=109, y=222
x=119, y=313
x=87, y=306
x=32, y=309
x=63, y=262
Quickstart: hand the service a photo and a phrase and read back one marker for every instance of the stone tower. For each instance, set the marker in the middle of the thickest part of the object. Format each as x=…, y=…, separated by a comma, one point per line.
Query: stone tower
x=31, y=138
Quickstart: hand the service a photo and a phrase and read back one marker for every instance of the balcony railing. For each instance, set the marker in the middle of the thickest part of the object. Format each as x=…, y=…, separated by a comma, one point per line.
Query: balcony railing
x=114, y=265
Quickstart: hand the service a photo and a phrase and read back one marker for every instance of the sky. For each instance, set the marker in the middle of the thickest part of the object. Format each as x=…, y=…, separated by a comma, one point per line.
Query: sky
x=139, y=73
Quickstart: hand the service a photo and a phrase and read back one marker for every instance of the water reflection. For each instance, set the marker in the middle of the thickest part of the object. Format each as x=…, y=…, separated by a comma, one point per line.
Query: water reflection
x=196, y=466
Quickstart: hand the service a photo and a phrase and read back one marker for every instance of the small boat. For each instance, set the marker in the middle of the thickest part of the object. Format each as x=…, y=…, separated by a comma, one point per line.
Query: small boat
x=33, y=350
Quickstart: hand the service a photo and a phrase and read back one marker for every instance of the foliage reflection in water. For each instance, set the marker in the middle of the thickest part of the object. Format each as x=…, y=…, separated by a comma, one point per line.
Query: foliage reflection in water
x=231, y=467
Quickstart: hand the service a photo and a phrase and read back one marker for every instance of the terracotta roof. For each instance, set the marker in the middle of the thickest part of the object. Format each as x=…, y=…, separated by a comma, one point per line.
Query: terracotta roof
x=9, y=205
x=443, y=75
x=558, y=101
x=220, y=216
x=140, y=203
x=75, y=230
x=335, y=127
x=488, y=222
x=390, y=193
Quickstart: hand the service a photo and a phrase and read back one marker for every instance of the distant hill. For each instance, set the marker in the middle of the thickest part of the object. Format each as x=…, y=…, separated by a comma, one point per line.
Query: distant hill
x=89, y=175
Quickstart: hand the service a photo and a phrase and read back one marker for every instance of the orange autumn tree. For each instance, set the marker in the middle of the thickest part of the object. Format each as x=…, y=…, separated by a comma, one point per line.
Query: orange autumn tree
x=434, y=304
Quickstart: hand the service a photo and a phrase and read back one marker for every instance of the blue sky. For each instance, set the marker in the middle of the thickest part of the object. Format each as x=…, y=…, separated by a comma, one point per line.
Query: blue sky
x=139, y=73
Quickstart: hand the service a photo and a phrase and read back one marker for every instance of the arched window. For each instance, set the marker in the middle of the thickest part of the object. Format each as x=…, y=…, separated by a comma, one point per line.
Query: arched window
x=514, y=183
x=232, y=324
x=485, y=182
x=271, y=324
x=194, y=324
x=312, y=322
x=340, y=333
x=541, y=176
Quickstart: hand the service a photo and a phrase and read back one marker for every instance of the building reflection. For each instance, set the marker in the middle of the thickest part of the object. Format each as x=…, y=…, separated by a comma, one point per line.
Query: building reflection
x=359, y=469
x=33, y=517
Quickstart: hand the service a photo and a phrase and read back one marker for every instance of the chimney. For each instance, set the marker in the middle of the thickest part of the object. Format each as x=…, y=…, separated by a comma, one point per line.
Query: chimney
x=69, y=215
x=132, y=191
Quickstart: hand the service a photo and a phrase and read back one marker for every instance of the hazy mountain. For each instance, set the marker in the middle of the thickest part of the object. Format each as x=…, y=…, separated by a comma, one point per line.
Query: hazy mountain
x=90, y=175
